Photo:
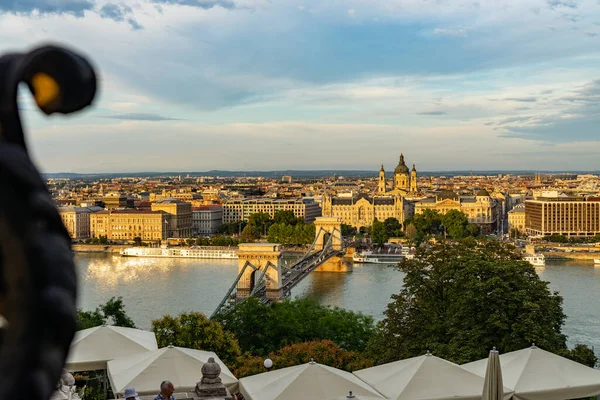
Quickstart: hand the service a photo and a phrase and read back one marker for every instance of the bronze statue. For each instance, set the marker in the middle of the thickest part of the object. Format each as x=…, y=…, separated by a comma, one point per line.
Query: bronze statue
x=37, y=273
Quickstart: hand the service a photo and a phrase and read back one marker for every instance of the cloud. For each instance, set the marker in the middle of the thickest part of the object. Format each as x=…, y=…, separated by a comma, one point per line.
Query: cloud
x=141, y=117
x=134, y=24
x=462, y=32
x=432, y=113
x=563, y=3
x=351, y=12
x=45, y=7
x=522, y=99
x=204, y=4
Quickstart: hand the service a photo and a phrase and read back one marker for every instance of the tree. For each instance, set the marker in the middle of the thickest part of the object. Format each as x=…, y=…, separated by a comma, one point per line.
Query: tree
x=324, y=352
x=393, y=227
x=264, y=328
x=460, y=299
x=193, y=330
x=112, y=313
x=348, y=230
x=285, y=217
x=137, y=241
x=378, y=233
x=456, y=224
x=250, y=233
x=583, y=355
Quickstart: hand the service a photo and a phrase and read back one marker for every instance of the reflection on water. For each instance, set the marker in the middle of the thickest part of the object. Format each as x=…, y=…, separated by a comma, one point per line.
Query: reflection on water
x=153, y=287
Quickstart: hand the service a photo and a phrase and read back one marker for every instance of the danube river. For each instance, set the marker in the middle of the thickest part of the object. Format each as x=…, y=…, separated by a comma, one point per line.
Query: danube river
x=153, y=287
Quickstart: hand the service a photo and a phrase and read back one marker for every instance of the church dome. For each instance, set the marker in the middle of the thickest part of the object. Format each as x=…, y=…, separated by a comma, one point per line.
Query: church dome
x=482, y=192
x=447, y=194
x=401, y=168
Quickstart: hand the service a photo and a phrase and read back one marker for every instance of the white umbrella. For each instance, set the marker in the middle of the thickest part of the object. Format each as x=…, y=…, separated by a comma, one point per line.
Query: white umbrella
x=492, y=387
x=423, y=377
x=305, y=381
x=535, y=374
x=181, y=366
x=92, y=348
x=352, y=396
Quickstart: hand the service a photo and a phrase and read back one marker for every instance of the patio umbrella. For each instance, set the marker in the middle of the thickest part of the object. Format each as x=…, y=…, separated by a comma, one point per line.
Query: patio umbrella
x=181, y=366
x=492, y=386
x=351, y=396
x=535, y=374
x=424, y=377
x=92, y=348
x=305, y=381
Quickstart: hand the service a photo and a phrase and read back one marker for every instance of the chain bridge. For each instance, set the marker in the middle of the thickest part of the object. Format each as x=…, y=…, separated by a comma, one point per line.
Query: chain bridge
x=262, y=272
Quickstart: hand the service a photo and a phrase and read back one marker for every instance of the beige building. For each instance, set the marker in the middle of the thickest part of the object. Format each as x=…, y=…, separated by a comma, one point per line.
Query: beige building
x=180, y=221
x=207, y=220
x=185, y=194
x=480, y=209
x=563, y=216
x=404, y=182
x=126, y=225
x=77, y=221
x=240, y=210
x=516, y=218
x=360, y=211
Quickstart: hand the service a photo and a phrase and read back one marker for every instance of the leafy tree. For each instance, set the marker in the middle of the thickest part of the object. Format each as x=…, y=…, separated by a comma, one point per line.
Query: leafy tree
x=582, y=354
x=378, y=233
x=456, y=224
x=285, y=217
x=299, y=234
x=393, y=227
x=556, y=238
x=195, y=331
x=462, y=298
x=324, y=352
x=137, y=241
x=264, y=328
x=250, y=233
x=348, y=230
x=112, y=313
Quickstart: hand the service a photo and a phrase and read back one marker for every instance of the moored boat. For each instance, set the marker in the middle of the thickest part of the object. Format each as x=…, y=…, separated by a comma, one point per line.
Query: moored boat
x=537, y=260
x=227, y=253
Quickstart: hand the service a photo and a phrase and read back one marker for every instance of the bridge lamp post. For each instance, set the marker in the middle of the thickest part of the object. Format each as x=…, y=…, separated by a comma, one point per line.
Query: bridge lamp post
x=268, y=363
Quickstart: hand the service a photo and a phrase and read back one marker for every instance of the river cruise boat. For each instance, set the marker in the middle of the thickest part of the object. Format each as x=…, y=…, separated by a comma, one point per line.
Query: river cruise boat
x=225, y=253
x=537, y=260
x=383, y=257
x=596, y=261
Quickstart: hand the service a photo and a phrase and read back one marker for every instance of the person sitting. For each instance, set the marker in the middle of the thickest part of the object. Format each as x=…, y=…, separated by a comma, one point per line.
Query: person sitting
x=166, y=391
x=130, y=394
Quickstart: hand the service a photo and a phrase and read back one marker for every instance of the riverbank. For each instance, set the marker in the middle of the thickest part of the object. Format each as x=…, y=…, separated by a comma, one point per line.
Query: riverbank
x=98, y=248
x=555, y=255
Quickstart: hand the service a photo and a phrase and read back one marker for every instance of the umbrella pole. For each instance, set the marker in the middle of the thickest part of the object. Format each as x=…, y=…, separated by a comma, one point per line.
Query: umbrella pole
x=104, y=384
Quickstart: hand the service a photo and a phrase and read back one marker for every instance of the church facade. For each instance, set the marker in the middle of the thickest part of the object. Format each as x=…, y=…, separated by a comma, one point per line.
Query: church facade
x=360, y=210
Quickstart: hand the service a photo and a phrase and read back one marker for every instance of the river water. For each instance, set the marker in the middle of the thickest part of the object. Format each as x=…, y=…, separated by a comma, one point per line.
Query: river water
x=153, y=287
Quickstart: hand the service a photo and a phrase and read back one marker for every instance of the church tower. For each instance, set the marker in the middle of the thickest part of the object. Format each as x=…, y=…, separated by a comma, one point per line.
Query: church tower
x=401, y=176
x=413, y=180
x=382, y=188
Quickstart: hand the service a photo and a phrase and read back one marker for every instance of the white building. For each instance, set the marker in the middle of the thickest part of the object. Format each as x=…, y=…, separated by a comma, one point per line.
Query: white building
x=207, y=219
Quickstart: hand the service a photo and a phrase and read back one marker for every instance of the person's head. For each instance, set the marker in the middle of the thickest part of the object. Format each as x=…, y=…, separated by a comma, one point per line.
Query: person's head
x=130, y=394
x=167, y=389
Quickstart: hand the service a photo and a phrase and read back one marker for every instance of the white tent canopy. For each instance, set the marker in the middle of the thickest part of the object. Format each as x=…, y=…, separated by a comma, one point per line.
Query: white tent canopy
x=424, y=377
x=536, y=374
x=181, y=366
x=305, y=381
x=92, y=348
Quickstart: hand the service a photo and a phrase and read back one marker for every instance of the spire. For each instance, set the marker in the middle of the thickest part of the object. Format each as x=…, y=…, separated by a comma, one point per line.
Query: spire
x=414, y=169
x=401, y=158
x=382, y=170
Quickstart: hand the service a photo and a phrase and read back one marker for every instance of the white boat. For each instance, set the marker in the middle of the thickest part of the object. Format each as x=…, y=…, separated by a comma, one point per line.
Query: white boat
x=370, y=257
x=226, y=253
x=537, y=260
x=596, y=261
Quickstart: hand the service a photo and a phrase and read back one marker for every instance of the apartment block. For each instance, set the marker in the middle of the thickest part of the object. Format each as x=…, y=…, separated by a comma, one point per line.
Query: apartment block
x=77, y=220
x=126, y=225
x=180, y=221
x=240, y=210
x=207, y=220
x=568, y=216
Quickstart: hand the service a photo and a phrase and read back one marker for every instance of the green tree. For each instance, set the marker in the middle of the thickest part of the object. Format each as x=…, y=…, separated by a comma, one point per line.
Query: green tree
x=378, y=233
x=264, y=328
x=137, y=241
x=250, y=233
x=583, y=355
x=195, y=331
x=460, y=299
x=112, y=313
x=285, y=217
x=393, y=227
x=324, y=352
x=456, y=224
x=348, y=230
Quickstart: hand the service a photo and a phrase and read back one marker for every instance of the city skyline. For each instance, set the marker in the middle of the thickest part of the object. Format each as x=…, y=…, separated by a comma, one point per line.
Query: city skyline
x=305, y=85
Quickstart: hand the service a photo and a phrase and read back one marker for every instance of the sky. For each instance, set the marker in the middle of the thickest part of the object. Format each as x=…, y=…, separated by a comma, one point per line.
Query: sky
x=197, y=85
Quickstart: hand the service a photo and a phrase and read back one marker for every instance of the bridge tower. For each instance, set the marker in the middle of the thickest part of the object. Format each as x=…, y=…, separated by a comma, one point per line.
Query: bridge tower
x=263, y=258
x=326, y=227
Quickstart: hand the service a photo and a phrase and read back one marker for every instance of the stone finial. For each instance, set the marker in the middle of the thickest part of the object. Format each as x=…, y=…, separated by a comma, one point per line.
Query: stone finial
x=211, y=386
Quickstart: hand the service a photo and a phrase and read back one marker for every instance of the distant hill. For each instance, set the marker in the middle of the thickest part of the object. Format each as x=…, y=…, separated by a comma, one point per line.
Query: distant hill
x=297, y=174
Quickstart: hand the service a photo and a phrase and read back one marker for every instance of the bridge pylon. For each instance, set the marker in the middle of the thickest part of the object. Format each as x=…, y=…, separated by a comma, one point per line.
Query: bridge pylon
x=264, y=259
x=326, y=227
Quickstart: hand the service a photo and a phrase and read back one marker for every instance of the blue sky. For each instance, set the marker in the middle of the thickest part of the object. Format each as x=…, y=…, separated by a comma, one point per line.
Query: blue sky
x=304, y=84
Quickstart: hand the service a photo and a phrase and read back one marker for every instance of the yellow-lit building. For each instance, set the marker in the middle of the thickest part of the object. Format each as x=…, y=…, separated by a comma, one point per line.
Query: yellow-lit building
x=126, y=225
x=180, y=221
x=360, y=211
x=562, y=216
x=76, y=220
x=480, y=209
x=240, y=210
x=404, y=181
x=516, y=218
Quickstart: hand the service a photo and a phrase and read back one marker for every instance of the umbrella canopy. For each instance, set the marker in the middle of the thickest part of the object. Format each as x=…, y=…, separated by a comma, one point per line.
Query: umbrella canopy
x=92, y=348
x=305, y=381
x=492, y=386
x=181, y=366
x=535, y=374
x=423, y=377
x=351, y=396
